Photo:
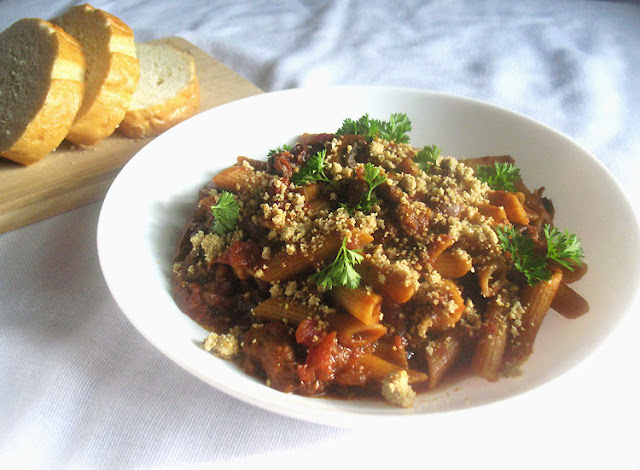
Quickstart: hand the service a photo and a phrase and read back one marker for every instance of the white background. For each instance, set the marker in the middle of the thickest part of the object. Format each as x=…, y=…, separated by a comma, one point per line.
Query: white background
x=81, y=388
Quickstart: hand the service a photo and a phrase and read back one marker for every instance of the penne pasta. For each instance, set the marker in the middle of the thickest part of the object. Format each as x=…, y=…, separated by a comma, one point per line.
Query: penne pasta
x=512, y=205
x=442, y=354
x=256, y=164
x=569, y=303
x=393, y=349
x=362, y=303
x=352, y=332
x=449, y=308
x=490, y=160
x=237, y=179
x=490, y=348
x=388, y=282
x=310, y=191
x=204, y=205
x=441, y=243
x=319, y=204
x=407, y=165
x=497, y=213
x=281, y=309
x=453, y=264
x=284, y=266
x=485, y=277
x=377, y=369
x=570, y=276
x=536, y=300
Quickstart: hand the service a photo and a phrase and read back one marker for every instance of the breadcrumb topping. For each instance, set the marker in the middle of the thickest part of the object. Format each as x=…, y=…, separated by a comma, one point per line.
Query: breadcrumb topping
x=396, y=389
x=224, y=346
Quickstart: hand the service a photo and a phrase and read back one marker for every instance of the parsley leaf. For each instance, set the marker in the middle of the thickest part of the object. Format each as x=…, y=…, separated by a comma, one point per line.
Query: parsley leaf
x=525, y=260
x=365, y=126
x=396, y=128
x=284, y=148
x=374, y=178
x=226, y=212
x=427, y=156
x=341, y=271
x=499, y=175
x=312, y=170
x=563, y=247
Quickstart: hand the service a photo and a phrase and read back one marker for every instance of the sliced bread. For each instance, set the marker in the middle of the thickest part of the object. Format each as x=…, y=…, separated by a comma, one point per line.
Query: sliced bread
x=168, y=91
x=112, y=71
x=42, y=72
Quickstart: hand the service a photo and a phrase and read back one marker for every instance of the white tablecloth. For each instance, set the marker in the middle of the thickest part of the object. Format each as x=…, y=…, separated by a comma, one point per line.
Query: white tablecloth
x=81, y=388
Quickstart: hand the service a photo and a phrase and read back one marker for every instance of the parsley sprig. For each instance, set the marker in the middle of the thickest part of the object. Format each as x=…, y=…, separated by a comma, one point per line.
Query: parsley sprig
x=226, y=213
x=499, y=176
x=562, y=247
x=341, y=271
x=396, y=128
x=373, y=178
x=312, y=170
x=524, y=258
x=365, y=126
x=427, y=156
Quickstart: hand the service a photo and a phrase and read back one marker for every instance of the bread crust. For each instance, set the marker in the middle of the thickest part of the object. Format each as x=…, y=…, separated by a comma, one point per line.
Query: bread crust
x=102, y=111
x=53, y=120
x=154, y=120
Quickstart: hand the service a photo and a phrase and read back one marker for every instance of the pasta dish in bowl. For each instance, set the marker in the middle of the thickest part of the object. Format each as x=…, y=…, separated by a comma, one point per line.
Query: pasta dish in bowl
x=353, y=263
x=375, y=264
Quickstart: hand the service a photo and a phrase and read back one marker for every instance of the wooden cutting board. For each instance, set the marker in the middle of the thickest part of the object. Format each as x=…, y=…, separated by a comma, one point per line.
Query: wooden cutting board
x=72, y=177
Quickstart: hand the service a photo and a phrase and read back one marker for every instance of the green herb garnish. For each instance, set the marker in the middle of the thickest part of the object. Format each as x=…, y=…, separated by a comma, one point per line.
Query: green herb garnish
x=365, y=126
x=341, y=271
x=226, y=213
x=312, y=170
x=427, y=156
x=374, y=178
x=396, y=128
x=524, y=258
x=499, y=176
x=284, y=148
x=563, y=247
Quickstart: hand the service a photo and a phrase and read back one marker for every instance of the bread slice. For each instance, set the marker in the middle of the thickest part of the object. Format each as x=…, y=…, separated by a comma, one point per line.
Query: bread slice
x=168, y=91
x=112, y=71
x=41, y=87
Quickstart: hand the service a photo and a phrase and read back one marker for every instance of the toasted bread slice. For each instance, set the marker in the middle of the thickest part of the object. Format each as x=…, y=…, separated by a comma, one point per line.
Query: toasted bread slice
x=112, y=71
x=42, y=72
x=168, y=91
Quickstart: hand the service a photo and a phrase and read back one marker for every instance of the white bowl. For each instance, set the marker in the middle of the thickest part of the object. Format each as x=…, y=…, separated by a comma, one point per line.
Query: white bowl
x=152, y=197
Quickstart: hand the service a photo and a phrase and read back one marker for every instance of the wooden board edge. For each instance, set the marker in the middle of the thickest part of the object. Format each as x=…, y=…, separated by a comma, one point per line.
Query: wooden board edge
x=78, y=197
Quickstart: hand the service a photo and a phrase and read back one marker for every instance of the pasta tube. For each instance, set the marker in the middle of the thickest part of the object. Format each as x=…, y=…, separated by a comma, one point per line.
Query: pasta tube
x=536, y=300
x=362, y=303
